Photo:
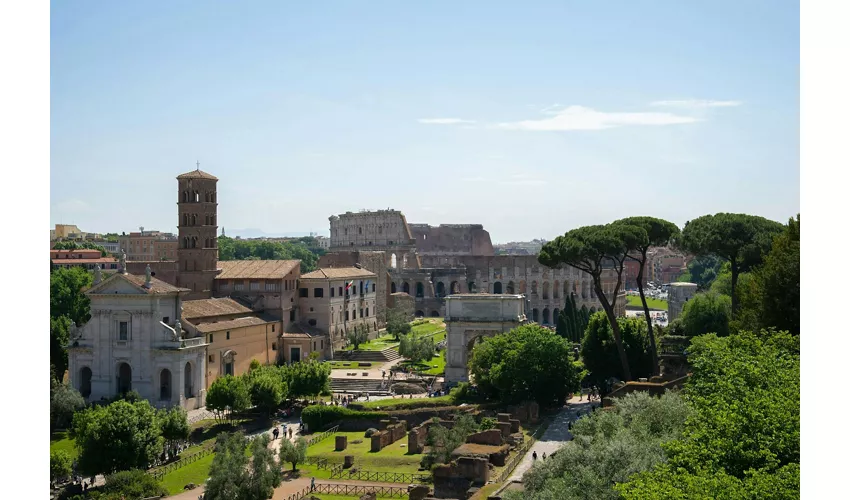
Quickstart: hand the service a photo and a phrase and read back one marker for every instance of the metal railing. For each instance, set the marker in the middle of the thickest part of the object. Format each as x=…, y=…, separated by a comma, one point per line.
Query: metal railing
x=321, y=437
x=357, y=489
x=165, y=469
x=337, y=472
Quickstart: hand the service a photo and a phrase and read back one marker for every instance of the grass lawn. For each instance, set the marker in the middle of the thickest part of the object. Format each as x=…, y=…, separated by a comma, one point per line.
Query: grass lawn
x=437, y=365
x=378, y=344
x=634, y=300
x=418, y=402
x=393, y=458
x=426, y=328
x=60, y=441
x=196, y=472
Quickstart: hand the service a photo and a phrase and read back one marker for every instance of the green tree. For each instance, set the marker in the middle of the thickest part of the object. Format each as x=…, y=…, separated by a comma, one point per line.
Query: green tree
x=595, y=250
x=599, y=352
x=64, y=402
x=416, y=348
x=265, y=473
x=659, y=234
x=357, y=336
x=227, y=395
x=59, y=337
x=254, y=364
x=702, y=270
x=117, y=437
x=779, y=281
x=293, y=453
x=228, y=472
x=744, y=432
x=60, y=465
x=174, y=425
x=442, y=441
x=267, y=390
x=398, y=322
x=233, y=249
x=67, y=304
x=740, y=239
x=134, y=483
x=529, y=362
x=307, y=378
x=707, y=312
x=571, y=320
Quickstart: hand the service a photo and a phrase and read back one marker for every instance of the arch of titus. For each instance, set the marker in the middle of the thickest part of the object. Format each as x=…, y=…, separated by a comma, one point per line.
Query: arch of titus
x=470, y=316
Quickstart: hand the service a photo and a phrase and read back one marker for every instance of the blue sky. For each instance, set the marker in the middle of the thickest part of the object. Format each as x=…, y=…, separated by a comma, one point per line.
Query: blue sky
x=530, y=118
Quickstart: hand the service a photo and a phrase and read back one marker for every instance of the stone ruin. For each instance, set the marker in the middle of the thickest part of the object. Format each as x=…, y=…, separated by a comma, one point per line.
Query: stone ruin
x=390, y=431
x=418, y=435
x=455, y=479
x=527, y=412
x=341, y=443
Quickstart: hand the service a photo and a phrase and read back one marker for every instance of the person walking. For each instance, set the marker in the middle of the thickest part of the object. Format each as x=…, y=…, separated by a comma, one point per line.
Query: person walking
x=275, y=432
x=312, y=484
x=544, y=456
x=534, y=456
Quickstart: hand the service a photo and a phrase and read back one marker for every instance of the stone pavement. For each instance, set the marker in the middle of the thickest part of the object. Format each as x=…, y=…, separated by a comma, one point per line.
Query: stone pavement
x=556, y=435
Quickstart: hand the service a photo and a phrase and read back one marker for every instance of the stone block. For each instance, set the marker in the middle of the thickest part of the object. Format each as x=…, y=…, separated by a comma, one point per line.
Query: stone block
x=473, y=468
x=341, y=443
x=514, y=425
x=492, y=437
x=504, y=428
x=503, y=417
x=348, y=462
x=418, y=492
x=369, y=496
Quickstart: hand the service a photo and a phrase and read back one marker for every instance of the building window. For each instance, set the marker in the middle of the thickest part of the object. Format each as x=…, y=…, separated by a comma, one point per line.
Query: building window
x=311, y=309
x=271, y=286
x=165, y=319
x=354, y=314
x=123, y=330
x=228, y=368
x=273, y=328
x=211, y=338
x=255, y=286
x=239, y=286
x=225, y=285
x=312, y=322
x=346, y=315
x=302, y=292
x=361, y=312
x=332, y=291
x=318, y=292
x=274, y=346
x=340, y=291
x=367, y=312
x=322, y=344
x=228, y=336
x=292, y=315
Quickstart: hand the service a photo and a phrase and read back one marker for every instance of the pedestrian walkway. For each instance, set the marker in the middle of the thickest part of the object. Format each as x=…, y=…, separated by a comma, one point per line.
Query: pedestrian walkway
x=556, y=435
x=287, y=488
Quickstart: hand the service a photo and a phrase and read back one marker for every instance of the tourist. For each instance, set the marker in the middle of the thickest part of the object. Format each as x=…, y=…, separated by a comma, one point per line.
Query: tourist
x=312, y=484
x=275, y=432
x=544, y=456
x=534, y=456
x=290, y=433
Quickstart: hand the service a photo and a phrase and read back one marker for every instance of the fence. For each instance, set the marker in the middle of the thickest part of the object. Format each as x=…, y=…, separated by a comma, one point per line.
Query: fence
x=357, y=489
x=321, y=463
x=516, y=459
x=320, y=437
x=165, y=469
x=337, y=472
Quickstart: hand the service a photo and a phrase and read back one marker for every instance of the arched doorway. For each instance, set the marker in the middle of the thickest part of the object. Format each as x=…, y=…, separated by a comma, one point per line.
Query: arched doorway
x=497, y=287
x=556, y=316
x=545, y=290
x=392, y=287
x=511, y=288
x=556, y=289
x=406, y=288
x=85, y=381
x=546, y=316
x=420, y=289
x=125, y=378
x=472, y=287
x=188, y=386
x=165, y=385
x=522, y=287
x=420, y=314
x=435, y=314
x=535, y=315
x=441, y=289
x=454, y=287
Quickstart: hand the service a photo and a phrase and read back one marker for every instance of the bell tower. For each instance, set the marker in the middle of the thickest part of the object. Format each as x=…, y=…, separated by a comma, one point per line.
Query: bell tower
x=197, y=246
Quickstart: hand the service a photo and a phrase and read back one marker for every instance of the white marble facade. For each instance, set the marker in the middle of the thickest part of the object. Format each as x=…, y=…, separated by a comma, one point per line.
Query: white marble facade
x=130, y=343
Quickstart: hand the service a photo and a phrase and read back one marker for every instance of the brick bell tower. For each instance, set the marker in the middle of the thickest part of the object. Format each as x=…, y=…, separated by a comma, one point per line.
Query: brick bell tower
x=197, y=251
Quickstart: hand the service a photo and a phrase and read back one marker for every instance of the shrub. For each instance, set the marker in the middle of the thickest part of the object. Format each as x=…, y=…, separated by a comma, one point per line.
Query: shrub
x=487, y=423
x=319, y=416
x=132, y=484
x=406, y=388
x=370, y=432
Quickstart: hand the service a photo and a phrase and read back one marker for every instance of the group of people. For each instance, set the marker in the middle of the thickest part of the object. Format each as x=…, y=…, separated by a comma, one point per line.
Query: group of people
x=345, y=400
x=534, y=456
x=287, y=429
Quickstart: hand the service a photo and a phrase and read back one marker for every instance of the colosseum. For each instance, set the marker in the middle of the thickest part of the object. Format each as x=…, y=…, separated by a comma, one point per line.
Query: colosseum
x=431, y=262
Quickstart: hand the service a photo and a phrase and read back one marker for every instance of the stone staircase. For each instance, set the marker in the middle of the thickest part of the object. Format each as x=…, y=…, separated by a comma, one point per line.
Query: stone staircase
x=388, y=354
x=353, y=385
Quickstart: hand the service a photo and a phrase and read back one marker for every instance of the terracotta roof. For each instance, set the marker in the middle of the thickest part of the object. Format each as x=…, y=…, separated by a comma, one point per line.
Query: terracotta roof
x=256, y=269
x=212, y=307
x=197, y=174
x=338, y=273
x=72, y=262
x=233, y=324
x=157, y=286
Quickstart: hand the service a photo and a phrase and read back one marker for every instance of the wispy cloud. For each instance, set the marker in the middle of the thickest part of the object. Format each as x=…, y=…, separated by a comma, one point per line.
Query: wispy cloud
x=583, y=118
x=444, y=121
x=696, y=104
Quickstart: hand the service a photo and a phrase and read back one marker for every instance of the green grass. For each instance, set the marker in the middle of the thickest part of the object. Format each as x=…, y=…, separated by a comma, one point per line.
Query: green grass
x=389, y=404
x=426, y=328
x=634, y=300
x=196, y=472
x=437, y=365
x=393, y=458
x=60, y=441
x=378, y=344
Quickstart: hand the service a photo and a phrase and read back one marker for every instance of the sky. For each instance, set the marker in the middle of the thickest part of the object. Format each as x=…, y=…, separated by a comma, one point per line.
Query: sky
x=531, y=118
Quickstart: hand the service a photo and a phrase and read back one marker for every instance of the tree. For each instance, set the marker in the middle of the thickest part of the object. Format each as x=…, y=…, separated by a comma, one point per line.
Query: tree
x=67, y=304
x=60, y=465
x=659, y=234
x=779, y=281
x=529, y=362
x=134, y=483
x=740, y=239
x=702, y=270
x=265, y=473
x=442, y=441
x=228, y=394
x=293, y=453
x=744, y=432
x=59, y=345
x=416, y=348
x=174, y=426
x=308, y=378
x=707, y=312
x=357, y=336
x=595, y=249
x=267, y=390
x=228, y=472
x=120, y=436
x=295, y=249
x=64, y=401
x=599, y=352
x=254, y=364
x=571, y=320
x=398, y=321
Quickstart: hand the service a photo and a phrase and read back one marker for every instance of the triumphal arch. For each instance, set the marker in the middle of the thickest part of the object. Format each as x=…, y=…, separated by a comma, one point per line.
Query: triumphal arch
x=472, y=316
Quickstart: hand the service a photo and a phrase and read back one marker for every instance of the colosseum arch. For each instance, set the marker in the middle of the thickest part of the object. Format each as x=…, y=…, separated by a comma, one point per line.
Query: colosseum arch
x=472, y=287
x=420, y=314
x=535, y=315
x=497, y=287
x=420, y=289
x=393, y=261
x=441, y=289
x=510, y=289
x=546, y=316
x=435, y=314
x=406, y=288
x=454, y=287
x=522, y=286
x=392, y=287
x=584, y=289
x=534, y=287
x=545, y=290
x=556, y=288
x=555, y=315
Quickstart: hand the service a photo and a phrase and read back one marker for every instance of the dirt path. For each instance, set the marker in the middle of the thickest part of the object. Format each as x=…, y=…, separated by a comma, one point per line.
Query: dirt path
x=288, y=488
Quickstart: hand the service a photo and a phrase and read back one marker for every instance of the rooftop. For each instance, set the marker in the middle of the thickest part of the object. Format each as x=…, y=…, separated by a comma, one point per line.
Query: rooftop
x=231, y=324
x=197, y=174
x=256, y=269
x=338, y=273
x=157, y=286
x=74, y=262
x=203, y=308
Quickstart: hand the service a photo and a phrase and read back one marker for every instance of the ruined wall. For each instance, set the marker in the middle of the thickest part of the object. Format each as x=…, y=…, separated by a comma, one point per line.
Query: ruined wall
x=382, y=229
x=391, y=431
x=451, y=239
